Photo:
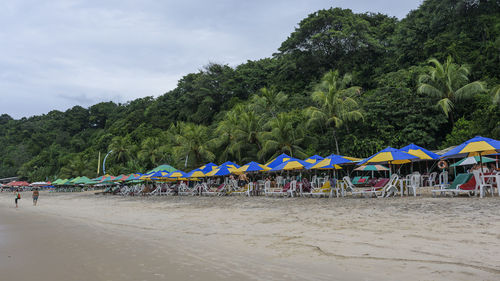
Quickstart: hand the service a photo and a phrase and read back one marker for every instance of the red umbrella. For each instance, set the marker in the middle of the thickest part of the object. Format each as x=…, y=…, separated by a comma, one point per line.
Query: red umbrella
x=18, y=183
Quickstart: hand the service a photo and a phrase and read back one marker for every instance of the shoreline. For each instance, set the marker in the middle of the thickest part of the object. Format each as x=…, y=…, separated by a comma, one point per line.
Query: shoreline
x=232, y=238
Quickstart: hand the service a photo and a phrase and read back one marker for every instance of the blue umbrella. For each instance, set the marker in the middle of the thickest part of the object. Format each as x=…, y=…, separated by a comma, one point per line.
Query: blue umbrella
x=278, y=160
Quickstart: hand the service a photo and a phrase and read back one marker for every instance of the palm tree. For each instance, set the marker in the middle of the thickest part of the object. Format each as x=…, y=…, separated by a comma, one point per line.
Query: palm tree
x=77, y=166
x=336, y=103
x=225, y=137
x=448, y=82
x=282, y=138
x=152, y=152
x=246, y=135
x=192, y=145
x=269, y=101
x=121, y=149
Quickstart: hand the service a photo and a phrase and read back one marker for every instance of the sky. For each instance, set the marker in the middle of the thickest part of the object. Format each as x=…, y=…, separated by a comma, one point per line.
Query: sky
x=58, y=54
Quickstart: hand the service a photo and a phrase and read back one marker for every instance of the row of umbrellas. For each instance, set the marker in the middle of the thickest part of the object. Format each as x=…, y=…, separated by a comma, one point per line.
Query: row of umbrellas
x=477, y=147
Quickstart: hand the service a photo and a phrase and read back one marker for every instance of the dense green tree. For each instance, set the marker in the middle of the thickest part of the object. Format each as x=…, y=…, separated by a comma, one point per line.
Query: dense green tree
x=192, y=148
x=284, y=137
x=336, y=103
x=449, y=84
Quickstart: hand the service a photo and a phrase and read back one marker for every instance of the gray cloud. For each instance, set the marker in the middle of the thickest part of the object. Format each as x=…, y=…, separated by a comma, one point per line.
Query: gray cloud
x=57, y=54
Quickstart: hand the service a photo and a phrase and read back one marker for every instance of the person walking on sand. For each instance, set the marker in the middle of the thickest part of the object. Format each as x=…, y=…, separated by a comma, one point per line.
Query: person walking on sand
x=36, y=193
x=18, y=196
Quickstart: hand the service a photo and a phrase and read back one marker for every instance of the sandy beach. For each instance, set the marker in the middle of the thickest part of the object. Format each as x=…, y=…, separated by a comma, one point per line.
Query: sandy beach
x=82, y=236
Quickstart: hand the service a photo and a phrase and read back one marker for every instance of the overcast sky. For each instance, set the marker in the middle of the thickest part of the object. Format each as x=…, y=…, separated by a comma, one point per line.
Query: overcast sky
x=57, y=54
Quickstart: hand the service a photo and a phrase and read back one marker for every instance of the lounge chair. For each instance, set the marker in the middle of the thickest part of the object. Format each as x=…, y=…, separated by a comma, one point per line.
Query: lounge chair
x=355, y=180
x=350, y=187
x=212, y=190
x=244, y=190
x=454, y=188
x=391, y=187
x=271, y=191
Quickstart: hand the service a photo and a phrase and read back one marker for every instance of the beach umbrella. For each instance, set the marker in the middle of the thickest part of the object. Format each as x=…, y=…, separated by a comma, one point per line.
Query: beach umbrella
x=208, y=167
x=372, y=168
x=253, y=167
x=101, y=177
x=177, y=175
x=291, y=164
x=314, y=159
x=132, y=177
x=196, y=173
x=146, y=176
x=473, y=160
x=476, y=146
x=159, y=175
x=278, y=160
x=163, y=167
x=389, y=156
x=420, y=152
x=331, y=162
x=230, y=164
x=80, y=180
x=221, y=171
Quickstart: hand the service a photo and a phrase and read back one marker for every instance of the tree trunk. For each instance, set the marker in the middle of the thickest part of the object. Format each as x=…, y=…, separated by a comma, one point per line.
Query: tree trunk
x=336, y=142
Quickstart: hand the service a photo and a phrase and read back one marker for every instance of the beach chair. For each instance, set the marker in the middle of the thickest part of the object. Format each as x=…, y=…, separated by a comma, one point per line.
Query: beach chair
x=414, y=184
x=454, y=188
x=350, y=187
x=431, y=181
x=212, y=190
x=355, y=180
x=270, y=191
x=184, y=189
x=247, y=189
x=391, y=187
x=443, y=180
x=481, y=184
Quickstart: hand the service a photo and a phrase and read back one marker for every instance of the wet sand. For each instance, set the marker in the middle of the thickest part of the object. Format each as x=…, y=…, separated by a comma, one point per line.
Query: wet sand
x=82, y=236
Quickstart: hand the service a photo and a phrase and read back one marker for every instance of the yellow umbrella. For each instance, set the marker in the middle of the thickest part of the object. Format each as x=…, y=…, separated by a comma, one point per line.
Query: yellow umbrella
x=476, y=146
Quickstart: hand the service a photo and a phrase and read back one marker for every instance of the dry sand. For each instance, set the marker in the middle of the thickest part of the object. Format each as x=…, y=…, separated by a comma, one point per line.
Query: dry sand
x=82, y=236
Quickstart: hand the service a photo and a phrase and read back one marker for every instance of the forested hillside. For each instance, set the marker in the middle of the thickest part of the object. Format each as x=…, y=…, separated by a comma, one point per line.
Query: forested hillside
x=341, y=83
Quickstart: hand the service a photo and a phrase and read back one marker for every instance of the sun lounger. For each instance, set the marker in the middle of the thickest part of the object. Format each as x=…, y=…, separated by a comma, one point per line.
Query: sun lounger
x=271, y=191
x=351, y=188
x=454, y=188
x=355, y=180
x=244, y=190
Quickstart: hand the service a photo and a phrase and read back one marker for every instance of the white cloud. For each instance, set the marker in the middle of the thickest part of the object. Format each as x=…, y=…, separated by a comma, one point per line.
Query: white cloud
x=56, y=54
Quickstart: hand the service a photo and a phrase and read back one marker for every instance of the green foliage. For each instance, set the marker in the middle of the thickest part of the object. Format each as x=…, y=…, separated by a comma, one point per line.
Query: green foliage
x=448, y=83
x=300, y=101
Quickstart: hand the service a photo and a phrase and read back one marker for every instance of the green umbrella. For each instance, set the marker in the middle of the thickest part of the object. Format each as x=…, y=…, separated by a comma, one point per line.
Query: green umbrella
x=163, y=167
x=473, y=160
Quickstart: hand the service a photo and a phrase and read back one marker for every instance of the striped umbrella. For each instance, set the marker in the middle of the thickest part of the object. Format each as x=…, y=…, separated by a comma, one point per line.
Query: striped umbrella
x=278, y=160
x=476, y=146
x=291, y=164
x=314, y=159
x=253, y=167
x=420, y=152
